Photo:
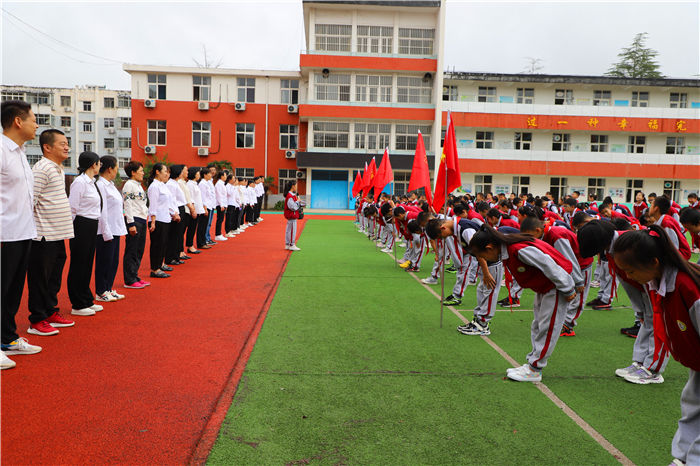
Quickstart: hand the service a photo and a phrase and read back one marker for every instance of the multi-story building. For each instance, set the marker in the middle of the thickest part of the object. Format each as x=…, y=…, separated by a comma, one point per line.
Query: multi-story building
x=92, y=117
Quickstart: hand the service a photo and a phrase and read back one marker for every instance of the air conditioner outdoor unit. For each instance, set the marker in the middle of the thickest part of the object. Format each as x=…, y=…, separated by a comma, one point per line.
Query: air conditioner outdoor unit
x=203, y=151
x=203, y=105
x=301, y=175
x=290, y=154
x=149, y=103
x=559, y=93
x=67, y=109
x=240, y=106
x=150, y=150
x=292, y=108
x=110, y=150
x=110, y=130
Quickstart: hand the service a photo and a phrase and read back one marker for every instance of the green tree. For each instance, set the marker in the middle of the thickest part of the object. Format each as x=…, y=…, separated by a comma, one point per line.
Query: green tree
x=636, y=61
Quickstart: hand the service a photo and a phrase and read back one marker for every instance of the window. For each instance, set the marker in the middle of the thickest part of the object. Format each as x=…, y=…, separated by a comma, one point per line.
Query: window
x=484, y=139
x=245, y=135
x=123, y=101
x=413, y=41
x=563, y=97
x=156, y=86
x=374, y=39
x=41, y=99
x=87, y=147
x=201, y=133
x=675, y=145
x=33, y=158
x=125, y=122
x=599, y=143
x=66, y=121
x=401, y=180
x=601, y=97
x=635, y=144
x=561, y=141
x=523, y=141
x=526, y=95
x=678, y=100
x=672, y=189
x=333, y=87
x=157, y=132
x=10, y=95
x=285, y=176
x=596, y=186
x=632, y=187
x=109, y=102
x=640, y=99
x=449, y=93
x=558, y=186
x=331, y=134
x=65, y=101
x=333, y=37
x=124, y=143
x=121, y=162
x=109, y=122
x=87, y=126
x=66, y=163
x=407, y=136
x=482, y=183
x=521, y=184
x=201, y=88
x=87, y=106
x=245, y=172
x=288, y=136
x=109, y=143
x=68, y=138
x=290, y=91
x=246, y=89
x=414, y=90
x=43, y=119
x=372, y=135
x=486, y=94
x=373, y=88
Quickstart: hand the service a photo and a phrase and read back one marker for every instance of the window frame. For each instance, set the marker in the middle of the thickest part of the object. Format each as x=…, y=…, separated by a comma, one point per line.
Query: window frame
x=602, y=97
x=522, y=139
x=487, y=94
x=564, y=144
x=157, y=86
x=201, y=130
x=522, y=96
x=600, y=144
x=286, y=134
x=201, y=85
x=329, y=132
x=675, y=144
x=289, y=93
x=636, y=142
x=157, y=130
x=108, y=102
x=484, y=140
x=247, y=131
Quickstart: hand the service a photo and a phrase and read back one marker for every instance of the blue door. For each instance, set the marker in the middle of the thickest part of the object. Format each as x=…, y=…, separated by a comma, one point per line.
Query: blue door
x=329, y=189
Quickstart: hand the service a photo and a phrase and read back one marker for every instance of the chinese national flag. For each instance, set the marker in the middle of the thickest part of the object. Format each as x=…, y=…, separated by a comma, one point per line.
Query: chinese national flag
x=448, y=176
x=420, y=174
x=385, y=174
x=357, y=186
x=365, y=177
x=371, y=173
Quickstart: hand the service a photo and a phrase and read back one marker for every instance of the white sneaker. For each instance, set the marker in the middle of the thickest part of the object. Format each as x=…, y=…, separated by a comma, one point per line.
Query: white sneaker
x=430, y=280
x=83, y=312
x=238, y=231
x=286, y=246
x=105, y=297
x=221, y=238
x=628, y=370
x=20, y=346
x=116, y=295
x=525, y=374
x=5, y=362
x=511, y=369
x=402, y=244
x=643, y=376
x=230, y=234
x=96, y=307
x=387, y=250
x=294, y=248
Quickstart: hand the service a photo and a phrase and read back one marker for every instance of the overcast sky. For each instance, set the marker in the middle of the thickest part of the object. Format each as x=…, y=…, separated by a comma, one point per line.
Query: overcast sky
x=85, y=43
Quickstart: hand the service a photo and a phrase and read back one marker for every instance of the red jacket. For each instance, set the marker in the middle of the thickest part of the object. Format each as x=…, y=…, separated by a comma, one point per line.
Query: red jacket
x=639, y=209
x=290, y=214
x=551, y=215
x=532, y=277
x=671, y=226
x=553, y=234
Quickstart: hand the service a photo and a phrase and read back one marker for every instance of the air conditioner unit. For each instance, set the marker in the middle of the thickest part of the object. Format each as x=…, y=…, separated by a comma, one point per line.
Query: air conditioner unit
x=290, y=154
x=110, y=150
x=203, y=151
x=559, y=93
x=149, y=103
x=292, y=109
x=203, y=105
x=110, y=130
x=150, y=150
x=240, y=106
x=67, y=109
x=301, y=175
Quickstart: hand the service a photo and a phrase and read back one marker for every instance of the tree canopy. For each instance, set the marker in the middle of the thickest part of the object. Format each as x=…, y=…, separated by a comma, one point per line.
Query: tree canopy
x=636, y=61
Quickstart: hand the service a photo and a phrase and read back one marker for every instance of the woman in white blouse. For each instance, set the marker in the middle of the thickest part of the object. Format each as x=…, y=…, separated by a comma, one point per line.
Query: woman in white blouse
x=177, y=231
x=199, y=210
x=221, y=203
x=136, y=217
x=110, y=229
x=209, y=202
x=162, y=210
x=86, y=206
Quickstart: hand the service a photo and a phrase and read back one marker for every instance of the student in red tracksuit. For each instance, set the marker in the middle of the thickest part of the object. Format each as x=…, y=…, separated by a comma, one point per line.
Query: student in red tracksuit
x=690, y=219
x=651, y=259
x=538, y=266
x=496, y=219
x=659, y=212
x=640, y=204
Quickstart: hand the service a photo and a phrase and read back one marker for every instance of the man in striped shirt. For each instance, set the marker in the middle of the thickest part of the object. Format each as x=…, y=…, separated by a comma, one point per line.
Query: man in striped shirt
x=54, y=225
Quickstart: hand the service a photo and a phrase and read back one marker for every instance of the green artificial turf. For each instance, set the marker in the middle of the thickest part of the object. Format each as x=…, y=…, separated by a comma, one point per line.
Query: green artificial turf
x=351, y=367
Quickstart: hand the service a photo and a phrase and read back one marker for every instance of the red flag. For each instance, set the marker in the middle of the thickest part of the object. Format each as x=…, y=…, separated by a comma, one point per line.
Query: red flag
x=357, y=186
x=420, y=174
x=365, y=179
x=371, y=173
x=385, y=174
x=448, y=176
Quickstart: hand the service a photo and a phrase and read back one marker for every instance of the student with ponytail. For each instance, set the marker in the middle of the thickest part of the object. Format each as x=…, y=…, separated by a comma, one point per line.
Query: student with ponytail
x=651, y=259
x=538, y=266
x=162, y=210
x=176, y=233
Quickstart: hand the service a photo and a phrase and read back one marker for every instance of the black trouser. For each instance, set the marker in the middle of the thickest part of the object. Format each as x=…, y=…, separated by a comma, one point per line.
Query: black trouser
x=159, y=241
x=191, y=230
x=236, y=218
x=231, y=217
x=106, y=263
x=202, y=221
x=133, y=252
x=14, y=258
x=258, y=207
x=175, y=237
x=82, y=258
x=249, y=211
x=219, y=220
x=241, y=215
x=44, y=276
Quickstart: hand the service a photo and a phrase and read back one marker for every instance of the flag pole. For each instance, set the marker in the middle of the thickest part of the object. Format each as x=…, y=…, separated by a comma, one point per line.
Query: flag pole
x=442, y=279
x=395, y=260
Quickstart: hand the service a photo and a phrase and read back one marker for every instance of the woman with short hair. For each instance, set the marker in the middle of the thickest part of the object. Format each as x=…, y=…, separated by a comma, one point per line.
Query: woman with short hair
x=162, y=210
x=199, y=211
x=136, y=216
x=177, y=231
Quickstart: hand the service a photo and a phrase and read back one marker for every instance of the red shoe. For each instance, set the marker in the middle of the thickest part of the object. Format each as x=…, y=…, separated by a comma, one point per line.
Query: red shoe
x=42, y=328
x=57, y=320
x=145, y=283
x=567, y=331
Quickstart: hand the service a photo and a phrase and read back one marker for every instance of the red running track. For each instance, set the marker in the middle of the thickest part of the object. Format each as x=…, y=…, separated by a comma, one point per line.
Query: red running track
x=144, y=380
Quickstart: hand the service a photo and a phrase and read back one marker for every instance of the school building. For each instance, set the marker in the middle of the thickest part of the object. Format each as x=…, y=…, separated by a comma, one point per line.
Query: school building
x=370, y=79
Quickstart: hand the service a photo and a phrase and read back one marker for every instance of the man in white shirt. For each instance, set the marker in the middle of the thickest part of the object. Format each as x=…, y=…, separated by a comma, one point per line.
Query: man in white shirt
x=17, y=229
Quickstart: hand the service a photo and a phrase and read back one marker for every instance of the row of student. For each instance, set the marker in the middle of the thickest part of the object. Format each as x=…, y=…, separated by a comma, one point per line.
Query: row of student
x=554, y=259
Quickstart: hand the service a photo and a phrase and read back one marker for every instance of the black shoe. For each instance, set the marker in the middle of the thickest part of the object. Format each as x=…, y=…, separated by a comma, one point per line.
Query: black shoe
x=595, y=302
x=159, y=274
x=413, y=268
x=176, y=262
x=631, y=331
x=194, y=252
x=166, y=268
x=185, y=257
x=211, y=243
x=451, y=269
